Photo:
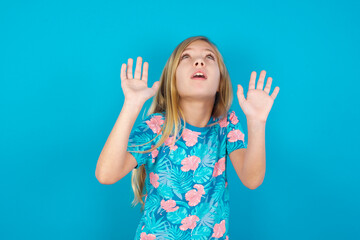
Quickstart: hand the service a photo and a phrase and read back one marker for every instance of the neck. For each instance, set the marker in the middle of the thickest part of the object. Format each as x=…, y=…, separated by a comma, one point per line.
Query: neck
x=197, y=113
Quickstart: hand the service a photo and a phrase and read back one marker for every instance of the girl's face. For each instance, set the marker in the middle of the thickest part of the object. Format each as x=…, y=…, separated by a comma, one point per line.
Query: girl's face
x=199, y=55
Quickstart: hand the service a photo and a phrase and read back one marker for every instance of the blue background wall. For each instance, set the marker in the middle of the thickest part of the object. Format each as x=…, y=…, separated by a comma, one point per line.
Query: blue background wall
x=60, y=96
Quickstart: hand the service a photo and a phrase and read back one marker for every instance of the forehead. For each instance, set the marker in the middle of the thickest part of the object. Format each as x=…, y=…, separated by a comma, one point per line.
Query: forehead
x=199, y=45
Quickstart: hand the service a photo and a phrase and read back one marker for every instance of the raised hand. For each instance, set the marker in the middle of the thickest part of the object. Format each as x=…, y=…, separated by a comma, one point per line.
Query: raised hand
x=258, y=103
x=136, y=90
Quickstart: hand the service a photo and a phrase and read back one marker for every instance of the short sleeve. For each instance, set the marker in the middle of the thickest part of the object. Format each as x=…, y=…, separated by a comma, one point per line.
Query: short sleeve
x=235, y=135
x=145, y=131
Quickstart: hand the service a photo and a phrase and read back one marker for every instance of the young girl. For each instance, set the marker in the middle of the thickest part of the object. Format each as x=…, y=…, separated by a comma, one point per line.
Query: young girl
x=179, y=151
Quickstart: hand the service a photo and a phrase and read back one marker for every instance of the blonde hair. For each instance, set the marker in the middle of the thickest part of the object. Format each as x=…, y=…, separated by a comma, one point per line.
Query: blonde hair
x=167, y=100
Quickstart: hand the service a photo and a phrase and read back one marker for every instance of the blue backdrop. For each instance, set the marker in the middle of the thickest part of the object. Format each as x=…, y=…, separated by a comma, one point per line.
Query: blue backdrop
x=60, y=96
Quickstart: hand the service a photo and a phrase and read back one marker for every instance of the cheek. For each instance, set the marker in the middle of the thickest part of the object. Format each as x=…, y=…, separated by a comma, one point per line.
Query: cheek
x=180, y=75
x=178, y=79
x=178, y=72
x=216, y=74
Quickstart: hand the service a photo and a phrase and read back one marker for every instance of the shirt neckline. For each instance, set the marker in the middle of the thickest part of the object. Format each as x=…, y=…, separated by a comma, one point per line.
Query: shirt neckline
x=197, y=129
x=194, y=128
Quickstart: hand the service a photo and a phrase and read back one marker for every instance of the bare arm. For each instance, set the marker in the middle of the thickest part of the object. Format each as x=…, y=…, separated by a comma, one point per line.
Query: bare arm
x=253, y=169
x=114, y=161
x=250, y=162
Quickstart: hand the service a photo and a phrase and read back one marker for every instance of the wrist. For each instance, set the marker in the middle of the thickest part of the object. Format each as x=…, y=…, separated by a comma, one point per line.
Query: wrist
x=255, y=124
x=133, y=105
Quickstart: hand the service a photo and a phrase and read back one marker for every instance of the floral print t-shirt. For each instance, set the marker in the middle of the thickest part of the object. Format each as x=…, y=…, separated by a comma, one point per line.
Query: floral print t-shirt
x=187, y=191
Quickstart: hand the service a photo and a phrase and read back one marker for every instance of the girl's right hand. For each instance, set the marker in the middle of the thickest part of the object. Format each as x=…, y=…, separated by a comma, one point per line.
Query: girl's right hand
x=136, y=90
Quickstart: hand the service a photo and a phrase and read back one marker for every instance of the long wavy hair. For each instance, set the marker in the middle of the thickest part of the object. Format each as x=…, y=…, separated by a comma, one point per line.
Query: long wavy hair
x=167, y=100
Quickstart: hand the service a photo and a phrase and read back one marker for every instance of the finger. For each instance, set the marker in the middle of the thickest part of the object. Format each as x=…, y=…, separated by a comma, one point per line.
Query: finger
x=156, y=86
x=268, y=85
x=145, y=72
x=275, y=92
x=129, y=69
x=240, y=95
x=122, y=72
x=252, y=80
x=138, y=68
x=260, y=84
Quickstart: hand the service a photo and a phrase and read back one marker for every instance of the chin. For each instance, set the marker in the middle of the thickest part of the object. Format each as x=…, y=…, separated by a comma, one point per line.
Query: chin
x=197, y=95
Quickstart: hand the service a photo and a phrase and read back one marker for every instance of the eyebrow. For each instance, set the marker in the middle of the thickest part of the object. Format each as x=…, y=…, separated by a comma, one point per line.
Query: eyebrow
x=204, y=49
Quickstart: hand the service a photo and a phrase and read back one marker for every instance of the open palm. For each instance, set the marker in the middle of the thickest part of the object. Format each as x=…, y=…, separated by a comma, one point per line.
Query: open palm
x=136, y=89
x=258, y=103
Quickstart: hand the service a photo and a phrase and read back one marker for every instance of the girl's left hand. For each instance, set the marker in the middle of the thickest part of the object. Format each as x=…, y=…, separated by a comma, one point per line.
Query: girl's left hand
x=258, y=103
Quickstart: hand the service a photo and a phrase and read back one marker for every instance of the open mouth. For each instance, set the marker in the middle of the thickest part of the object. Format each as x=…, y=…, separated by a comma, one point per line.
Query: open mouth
x=198, y=78
x=199, y=75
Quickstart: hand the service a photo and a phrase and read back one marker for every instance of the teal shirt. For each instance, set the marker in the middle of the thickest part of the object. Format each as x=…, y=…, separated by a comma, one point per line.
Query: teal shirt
x=186, y=182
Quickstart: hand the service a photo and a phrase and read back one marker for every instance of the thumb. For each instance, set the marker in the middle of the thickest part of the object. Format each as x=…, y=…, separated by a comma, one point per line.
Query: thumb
x=240, y=94
x=156, y=86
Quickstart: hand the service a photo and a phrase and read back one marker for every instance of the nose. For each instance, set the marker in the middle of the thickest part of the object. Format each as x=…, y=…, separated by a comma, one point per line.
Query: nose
x=199, y=62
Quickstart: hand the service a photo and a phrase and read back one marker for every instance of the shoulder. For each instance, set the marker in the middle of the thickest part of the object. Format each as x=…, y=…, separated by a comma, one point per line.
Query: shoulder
x=155, y=117
x=153, y=121
x=228, y=118
x=232, y=117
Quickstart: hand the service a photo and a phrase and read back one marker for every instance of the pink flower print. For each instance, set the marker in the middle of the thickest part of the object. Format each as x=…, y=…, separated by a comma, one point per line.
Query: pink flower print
x=170, y=141
x=189, y=222
x=173, y=147
x=223, y=122
x=233, y=118
x=154, y=179
x=145, y=236
x=142, y=227
x=169, y=206
x=219, y=229
x=154, y=154
x=190, y=163
x=194, y=196
x=227, y=238
x=155, y=123
x=219, y=167
x=235, y=135
x=190, y=137
x=226, y=184
x=200, y=188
